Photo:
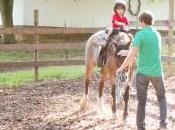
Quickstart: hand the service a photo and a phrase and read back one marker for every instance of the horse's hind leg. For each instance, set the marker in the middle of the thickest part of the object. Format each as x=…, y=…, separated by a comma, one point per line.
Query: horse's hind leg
x=126, y=99
x=104, y=77
x=113, y=88
x=84, y=100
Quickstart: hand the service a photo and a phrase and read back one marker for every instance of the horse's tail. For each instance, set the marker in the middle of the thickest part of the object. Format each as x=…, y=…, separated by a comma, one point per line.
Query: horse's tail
x=87, y=48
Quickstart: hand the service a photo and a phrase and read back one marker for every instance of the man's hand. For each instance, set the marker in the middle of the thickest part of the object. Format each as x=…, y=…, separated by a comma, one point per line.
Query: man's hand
x=129, y=59
x=120, y=69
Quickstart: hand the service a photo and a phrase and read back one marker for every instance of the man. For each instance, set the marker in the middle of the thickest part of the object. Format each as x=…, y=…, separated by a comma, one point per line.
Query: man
x=147, y=47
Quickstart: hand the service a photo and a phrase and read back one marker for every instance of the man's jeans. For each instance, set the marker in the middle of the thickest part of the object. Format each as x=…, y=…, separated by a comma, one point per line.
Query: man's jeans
x=142, y=82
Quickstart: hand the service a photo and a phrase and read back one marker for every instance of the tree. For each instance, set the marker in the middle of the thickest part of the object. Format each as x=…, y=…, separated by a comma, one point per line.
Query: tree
x=6, y=9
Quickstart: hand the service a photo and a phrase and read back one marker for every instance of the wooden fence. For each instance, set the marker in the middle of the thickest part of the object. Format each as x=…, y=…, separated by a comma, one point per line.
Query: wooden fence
x=36, y=31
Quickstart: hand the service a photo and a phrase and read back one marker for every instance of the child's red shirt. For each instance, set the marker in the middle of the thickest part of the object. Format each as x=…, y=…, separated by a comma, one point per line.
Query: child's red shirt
x=118, y=18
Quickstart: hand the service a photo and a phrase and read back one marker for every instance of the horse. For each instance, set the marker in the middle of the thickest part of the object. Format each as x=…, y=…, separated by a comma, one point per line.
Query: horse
x=116, y=44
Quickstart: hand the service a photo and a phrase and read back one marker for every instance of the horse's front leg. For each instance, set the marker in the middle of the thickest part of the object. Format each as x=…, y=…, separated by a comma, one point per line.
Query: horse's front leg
x=126, y=99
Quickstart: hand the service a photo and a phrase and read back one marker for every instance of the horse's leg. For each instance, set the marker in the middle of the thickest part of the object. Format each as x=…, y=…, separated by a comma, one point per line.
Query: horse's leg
x=112, y=73
x=104, y=77
x=113, y=88
x=84, y=100
x=126, y=99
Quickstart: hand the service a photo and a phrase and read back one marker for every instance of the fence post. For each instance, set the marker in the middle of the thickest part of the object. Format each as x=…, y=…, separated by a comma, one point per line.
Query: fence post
x=170, y=36
x=36, y=41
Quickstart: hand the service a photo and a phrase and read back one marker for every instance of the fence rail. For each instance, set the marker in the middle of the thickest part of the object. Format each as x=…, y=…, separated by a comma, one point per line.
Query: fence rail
x=40, y=46
x=32, y=64
x=47, y=30
x=67, y=30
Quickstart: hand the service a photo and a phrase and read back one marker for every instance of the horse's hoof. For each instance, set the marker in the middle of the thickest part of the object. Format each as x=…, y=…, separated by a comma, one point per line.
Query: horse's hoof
x=83, y=102
x=101, y=104
x=114, y=115
x=125, y=117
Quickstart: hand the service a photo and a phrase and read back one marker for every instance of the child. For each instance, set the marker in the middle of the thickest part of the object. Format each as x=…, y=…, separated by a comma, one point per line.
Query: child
x=119, y=23
x=119, y=20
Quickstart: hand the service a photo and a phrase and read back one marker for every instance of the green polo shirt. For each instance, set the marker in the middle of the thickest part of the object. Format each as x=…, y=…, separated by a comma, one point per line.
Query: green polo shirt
x=148, y=40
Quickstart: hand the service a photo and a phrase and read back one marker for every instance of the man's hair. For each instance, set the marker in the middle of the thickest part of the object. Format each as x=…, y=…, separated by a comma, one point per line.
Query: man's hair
x=146, y=17
x=120, y=4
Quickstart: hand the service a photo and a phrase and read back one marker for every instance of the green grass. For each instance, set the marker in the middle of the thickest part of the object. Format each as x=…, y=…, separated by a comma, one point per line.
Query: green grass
x=62, y=72
x=6, y=56
x=18, y=78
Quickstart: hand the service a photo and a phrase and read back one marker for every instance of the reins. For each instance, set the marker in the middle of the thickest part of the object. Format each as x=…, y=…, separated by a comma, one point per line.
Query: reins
x=119, y=91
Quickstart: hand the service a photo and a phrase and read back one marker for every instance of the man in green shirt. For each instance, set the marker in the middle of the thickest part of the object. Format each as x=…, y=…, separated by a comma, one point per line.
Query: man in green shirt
x=146, y=48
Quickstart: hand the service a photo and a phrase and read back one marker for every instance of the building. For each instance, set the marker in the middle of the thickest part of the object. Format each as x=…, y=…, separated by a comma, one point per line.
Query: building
x=79, y=13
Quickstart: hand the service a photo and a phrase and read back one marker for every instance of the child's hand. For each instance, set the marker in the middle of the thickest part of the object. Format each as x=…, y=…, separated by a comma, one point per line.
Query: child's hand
x=123, y=25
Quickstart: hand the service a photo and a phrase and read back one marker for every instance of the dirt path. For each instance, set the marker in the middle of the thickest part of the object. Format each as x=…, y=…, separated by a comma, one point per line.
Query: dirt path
x=54, y=105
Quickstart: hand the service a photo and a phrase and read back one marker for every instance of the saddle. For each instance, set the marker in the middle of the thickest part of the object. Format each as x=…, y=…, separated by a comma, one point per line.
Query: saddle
x=103, y=53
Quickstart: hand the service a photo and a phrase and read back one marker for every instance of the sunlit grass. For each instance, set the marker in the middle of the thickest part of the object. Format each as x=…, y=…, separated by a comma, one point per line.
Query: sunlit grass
x=18, y=78
x=6, y=56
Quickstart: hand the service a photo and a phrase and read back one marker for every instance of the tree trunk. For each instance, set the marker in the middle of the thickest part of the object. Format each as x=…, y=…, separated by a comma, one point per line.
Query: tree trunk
x=6, y=8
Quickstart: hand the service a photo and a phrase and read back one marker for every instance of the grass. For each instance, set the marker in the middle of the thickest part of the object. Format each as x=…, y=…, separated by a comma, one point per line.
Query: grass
x=18, y=78
x=6, y=56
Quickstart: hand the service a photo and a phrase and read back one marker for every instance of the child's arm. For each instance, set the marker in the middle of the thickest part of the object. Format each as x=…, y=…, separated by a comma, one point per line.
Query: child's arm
x=119, y=23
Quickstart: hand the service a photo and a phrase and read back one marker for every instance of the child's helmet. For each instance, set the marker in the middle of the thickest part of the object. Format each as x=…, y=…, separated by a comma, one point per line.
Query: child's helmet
x=120, y=3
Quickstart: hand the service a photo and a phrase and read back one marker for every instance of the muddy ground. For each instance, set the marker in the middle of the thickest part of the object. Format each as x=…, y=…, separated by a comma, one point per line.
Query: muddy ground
x=54, y=105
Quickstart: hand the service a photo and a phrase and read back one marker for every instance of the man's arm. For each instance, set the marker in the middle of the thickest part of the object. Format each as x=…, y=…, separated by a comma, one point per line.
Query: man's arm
x=129, y=59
